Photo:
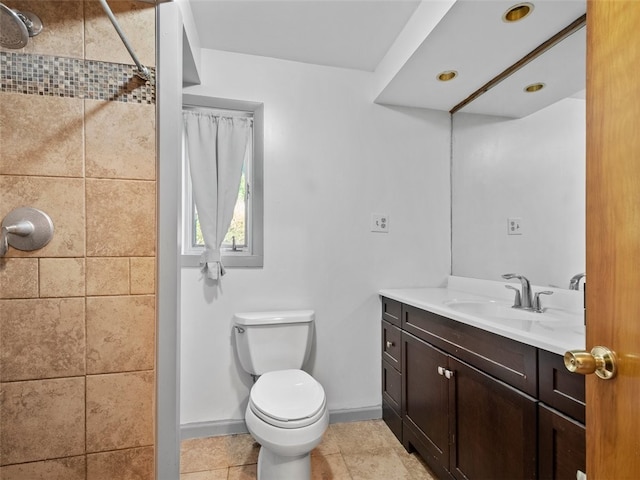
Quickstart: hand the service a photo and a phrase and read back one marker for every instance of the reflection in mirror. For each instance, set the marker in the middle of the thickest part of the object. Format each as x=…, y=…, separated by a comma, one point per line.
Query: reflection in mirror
x=530, y=168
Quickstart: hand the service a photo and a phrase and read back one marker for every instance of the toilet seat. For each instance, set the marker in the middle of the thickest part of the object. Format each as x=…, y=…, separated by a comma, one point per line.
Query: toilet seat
x=288, y=399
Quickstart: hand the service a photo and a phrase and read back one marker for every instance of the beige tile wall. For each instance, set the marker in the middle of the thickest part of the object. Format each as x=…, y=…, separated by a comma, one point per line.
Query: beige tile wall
x=77, y=318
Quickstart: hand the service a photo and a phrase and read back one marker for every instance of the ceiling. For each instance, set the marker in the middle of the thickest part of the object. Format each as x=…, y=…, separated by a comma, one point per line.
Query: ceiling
x=468, y=36
x=348, y=33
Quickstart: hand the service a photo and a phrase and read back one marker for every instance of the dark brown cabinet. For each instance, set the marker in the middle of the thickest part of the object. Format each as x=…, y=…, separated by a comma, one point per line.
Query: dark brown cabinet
x=562, y=447
x=494, y=429
x=461, y=420
x=425, y=404
x=561, y=415
x=470, y=401
x=392, y=366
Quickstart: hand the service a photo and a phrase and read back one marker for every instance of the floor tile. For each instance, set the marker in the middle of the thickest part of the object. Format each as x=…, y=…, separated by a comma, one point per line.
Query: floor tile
x=417, y=468
x=329, y=467
x=328, y=445
x=349, y=451
x=358, y=437
x=382, y=465
x=386, y=435
x=242, y=450
x=245, y=472
x=219, y=474
x=199, y=454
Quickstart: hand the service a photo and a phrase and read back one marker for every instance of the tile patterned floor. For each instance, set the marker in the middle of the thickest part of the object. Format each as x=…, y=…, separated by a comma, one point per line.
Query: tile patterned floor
x=349, y=451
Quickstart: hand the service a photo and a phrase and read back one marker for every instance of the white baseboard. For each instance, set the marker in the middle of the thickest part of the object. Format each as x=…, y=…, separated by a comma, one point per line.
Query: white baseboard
x=232, y=427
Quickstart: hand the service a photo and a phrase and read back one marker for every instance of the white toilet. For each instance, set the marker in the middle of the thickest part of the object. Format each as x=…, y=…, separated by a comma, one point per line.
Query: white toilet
x=287, y=412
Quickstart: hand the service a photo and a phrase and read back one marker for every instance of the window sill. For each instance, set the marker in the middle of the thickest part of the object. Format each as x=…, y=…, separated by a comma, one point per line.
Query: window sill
x=229, y=261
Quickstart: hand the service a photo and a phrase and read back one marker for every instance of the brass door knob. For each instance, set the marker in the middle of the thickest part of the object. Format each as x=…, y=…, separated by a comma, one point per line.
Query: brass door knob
x=600, y=361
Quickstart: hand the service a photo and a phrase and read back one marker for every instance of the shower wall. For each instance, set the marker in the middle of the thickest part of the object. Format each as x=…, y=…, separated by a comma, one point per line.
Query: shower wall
x=77, y=318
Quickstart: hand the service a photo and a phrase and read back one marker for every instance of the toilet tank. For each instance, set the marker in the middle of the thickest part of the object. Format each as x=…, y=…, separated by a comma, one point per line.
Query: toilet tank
x=269, y=341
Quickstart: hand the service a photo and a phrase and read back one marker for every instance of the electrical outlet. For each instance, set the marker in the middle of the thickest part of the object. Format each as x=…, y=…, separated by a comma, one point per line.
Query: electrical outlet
x=379, y=222
x=514, y=226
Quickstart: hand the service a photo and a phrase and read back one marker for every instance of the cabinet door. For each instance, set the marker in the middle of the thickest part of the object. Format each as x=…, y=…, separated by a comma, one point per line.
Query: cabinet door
x=425, y=399
x=562, y=445
x=495, y=428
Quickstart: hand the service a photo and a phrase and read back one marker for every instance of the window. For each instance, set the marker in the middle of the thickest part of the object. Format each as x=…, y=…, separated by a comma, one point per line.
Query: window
x=242, y=245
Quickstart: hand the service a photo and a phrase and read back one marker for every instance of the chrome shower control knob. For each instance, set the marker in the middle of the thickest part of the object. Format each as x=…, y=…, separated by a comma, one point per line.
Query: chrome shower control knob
x=26, y=229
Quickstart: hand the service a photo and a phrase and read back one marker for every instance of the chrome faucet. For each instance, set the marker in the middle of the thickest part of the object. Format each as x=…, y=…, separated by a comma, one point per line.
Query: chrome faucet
x=517, y=301
x=525, y=297
x=574, y=283
x=537, y=304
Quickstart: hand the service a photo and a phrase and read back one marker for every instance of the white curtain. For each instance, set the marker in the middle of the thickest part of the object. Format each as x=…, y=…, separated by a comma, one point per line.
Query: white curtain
x=216, y=147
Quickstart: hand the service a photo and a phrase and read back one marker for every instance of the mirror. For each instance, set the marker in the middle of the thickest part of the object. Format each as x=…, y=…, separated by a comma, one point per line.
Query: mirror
x=529, y=171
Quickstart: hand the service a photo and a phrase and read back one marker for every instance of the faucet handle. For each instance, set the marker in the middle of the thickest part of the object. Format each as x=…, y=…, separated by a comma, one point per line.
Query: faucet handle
x=517, y=301
x=537, y=305
x=574, y=283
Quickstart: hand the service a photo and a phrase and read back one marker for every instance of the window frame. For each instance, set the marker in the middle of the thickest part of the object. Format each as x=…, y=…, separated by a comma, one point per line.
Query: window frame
x=252, y=255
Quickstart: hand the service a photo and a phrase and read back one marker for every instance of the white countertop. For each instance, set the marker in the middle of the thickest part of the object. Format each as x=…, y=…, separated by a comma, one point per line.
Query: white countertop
x=557, y=330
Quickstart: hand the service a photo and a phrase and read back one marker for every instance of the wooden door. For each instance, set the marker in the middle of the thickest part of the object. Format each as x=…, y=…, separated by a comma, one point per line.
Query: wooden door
x=613, y=235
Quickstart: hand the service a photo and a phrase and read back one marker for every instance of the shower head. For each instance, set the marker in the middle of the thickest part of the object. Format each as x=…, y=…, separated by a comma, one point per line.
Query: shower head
x=16, y=27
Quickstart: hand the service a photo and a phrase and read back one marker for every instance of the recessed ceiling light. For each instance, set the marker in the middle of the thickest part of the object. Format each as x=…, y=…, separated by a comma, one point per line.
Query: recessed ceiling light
x=534, y=87
x=517, y=12
x=446, y=76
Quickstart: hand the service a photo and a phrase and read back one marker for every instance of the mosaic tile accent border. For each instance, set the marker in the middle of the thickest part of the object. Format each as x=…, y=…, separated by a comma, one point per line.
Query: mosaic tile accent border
x=75, y=78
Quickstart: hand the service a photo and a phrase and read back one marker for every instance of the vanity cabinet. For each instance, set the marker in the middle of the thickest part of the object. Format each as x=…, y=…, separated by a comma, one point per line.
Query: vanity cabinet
x=469, y=400
x=561, y=416
x=392, y=366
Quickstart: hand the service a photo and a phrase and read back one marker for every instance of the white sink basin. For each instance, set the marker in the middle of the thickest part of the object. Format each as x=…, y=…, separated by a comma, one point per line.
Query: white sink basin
x=492, y=309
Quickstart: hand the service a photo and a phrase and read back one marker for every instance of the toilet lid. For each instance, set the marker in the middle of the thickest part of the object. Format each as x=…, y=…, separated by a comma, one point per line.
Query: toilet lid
x=287, y=395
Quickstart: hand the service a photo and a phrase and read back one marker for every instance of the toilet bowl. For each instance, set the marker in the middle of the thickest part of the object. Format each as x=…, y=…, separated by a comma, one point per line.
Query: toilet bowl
x=287, y=411
x=287, y=415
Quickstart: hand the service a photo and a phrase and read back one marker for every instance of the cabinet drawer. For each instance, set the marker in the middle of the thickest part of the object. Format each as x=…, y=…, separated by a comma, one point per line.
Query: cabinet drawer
x=392, y=419
x=391, y=311
x=391, y=386
x=508, y=360
x=391, y=345
x=560, y=388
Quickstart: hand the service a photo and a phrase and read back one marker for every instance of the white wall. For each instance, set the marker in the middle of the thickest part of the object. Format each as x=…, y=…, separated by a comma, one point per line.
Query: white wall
x=332, y=158
x=532, y=168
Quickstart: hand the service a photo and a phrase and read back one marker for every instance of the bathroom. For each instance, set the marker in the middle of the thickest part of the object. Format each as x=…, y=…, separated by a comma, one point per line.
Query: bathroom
x=399, y=158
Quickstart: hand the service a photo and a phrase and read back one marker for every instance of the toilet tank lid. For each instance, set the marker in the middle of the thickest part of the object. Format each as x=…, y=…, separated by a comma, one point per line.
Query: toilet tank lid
x=269, y=318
